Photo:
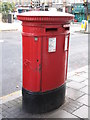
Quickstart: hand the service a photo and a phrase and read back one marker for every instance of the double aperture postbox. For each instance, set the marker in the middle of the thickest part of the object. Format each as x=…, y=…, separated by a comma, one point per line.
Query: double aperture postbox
x=45, y=41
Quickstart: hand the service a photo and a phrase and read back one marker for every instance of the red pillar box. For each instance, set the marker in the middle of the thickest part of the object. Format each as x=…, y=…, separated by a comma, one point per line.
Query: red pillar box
x=45, y=41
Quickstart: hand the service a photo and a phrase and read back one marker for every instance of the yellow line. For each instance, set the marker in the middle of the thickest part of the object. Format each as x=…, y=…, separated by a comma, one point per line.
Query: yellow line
x=10, y=97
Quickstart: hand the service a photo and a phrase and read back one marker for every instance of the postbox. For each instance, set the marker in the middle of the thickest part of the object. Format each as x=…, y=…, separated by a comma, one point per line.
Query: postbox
x=45, y=45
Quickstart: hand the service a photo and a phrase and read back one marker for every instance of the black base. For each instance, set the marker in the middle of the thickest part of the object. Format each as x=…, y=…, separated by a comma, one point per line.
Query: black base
x=42, y=102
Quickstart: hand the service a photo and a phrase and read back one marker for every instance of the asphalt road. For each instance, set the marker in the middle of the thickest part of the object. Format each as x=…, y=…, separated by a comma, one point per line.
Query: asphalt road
x=11, y=58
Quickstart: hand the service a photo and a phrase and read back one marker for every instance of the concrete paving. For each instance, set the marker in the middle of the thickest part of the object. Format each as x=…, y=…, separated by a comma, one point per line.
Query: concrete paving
x=11, y=26
x=75, y=106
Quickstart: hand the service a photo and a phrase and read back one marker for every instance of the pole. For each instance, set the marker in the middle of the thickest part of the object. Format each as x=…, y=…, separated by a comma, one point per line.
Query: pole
x=87, y=10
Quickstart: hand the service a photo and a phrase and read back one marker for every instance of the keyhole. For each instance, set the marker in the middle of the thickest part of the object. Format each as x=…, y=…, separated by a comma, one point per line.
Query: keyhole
x=37, y=60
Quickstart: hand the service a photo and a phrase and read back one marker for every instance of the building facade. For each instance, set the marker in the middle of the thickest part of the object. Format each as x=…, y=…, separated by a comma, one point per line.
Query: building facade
x=43, y=1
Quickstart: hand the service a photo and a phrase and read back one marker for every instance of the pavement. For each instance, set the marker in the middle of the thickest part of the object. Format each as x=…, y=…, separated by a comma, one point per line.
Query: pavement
x=76, y=101
x=16, y=25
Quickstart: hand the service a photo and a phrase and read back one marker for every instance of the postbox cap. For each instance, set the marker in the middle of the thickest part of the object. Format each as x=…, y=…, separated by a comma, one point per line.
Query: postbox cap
x=45, y=16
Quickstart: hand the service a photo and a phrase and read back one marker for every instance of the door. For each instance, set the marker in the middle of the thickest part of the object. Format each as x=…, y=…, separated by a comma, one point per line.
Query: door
x=53, y=62
x=31, y=63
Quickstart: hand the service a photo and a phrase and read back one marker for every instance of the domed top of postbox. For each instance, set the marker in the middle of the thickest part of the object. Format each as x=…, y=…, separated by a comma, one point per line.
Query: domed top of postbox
x=46, y=16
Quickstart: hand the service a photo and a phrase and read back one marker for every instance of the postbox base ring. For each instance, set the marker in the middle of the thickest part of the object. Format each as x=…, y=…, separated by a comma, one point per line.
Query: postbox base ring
x=42, y=102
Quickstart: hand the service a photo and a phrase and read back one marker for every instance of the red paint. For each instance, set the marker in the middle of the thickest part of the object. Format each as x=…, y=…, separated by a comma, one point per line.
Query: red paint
x=42, y=70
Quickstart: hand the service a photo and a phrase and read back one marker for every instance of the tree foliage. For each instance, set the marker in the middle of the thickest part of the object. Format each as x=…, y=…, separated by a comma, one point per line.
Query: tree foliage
x=5, y=8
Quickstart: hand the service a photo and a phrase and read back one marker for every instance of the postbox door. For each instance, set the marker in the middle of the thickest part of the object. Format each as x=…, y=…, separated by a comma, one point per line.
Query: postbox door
x=53, y=62
x=31, y=63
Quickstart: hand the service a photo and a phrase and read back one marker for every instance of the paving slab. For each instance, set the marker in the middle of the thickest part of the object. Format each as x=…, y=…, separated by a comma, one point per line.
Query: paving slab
x=59, y=114
x=8, y=104
x=5, y=114
x=83, y=72
x=83, y=99
x=75, y=85
x=55, y=114
x=82, y=112
x=4, y=107
x=85, y=82
x=68, y=80
x=16, y=111
x=84, y=90
x=72, y=106
x=77, y=78
x=73, y=94
x=18, y=100
x=62, y=112
x=76, y=101
x=85, y=75
x=78, y=71
x=67, y=101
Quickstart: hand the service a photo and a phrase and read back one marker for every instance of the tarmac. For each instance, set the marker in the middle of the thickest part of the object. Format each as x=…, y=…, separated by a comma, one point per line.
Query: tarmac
x=76, y=101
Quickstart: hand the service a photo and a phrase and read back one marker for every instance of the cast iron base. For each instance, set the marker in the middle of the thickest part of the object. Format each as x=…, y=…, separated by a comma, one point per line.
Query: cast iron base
x=42, y=102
